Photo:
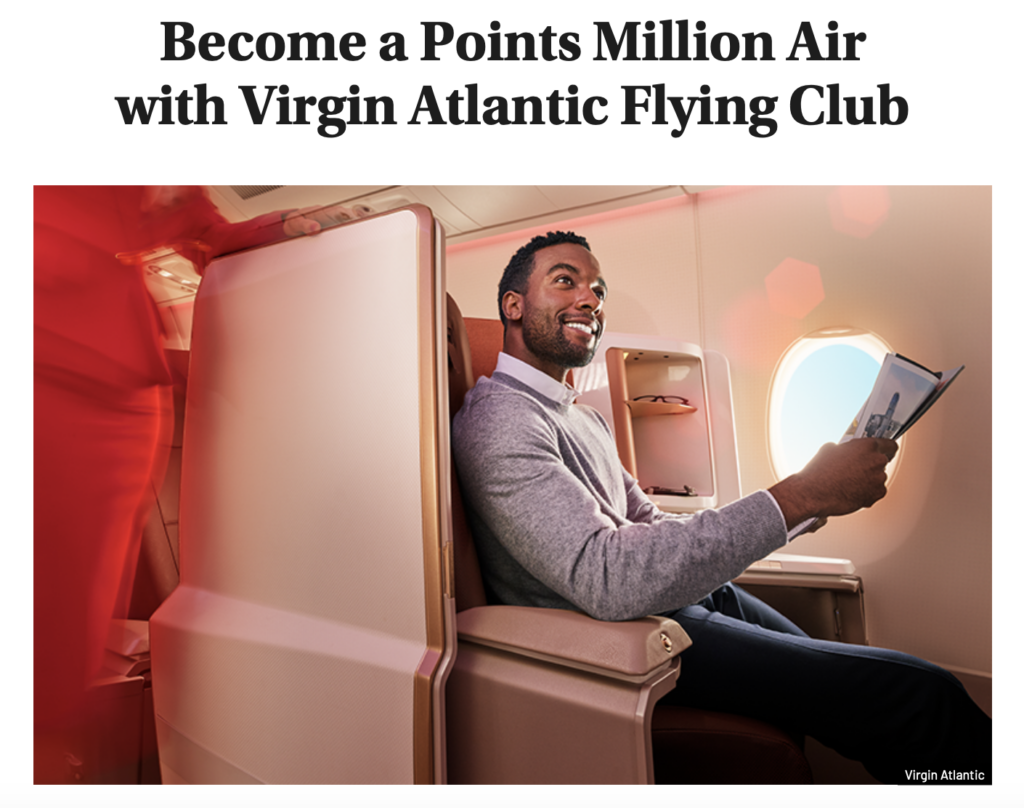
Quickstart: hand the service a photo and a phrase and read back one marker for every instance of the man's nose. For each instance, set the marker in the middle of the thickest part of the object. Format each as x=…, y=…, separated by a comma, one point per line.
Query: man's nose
x=590, y=301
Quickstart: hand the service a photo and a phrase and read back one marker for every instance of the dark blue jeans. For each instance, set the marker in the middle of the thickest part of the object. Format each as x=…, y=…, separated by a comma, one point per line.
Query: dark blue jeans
x=903, y=718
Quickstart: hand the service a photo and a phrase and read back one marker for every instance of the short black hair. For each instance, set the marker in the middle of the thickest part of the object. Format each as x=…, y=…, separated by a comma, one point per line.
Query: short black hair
x=517, y=274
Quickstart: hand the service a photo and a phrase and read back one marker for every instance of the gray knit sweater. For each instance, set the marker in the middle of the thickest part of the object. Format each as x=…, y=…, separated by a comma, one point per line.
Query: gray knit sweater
x=559, y=523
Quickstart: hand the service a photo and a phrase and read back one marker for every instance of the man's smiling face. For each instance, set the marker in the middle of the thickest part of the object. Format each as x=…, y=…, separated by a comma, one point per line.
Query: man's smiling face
x=562, y=310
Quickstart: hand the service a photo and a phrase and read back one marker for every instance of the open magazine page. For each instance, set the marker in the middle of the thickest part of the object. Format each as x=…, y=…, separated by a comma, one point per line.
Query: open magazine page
x=900, y=391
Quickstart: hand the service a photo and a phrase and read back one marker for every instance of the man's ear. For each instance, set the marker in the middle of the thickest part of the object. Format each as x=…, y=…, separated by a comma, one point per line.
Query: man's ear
x=512, y=306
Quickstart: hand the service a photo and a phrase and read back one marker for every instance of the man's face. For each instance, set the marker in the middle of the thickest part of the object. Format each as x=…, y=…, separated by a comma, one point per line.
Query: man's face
x=563, y=316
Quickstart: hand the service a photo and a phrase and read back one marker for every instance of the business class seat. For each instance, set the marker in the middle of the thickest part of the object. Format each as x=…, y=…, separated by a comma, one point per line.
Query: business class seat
x=522, y=673
x=546, y=696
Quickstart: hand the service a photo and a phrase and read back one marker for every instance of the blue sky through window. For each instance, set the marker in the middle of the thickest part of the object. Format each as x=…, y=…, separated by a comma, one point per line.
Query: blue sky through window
x=822, y=397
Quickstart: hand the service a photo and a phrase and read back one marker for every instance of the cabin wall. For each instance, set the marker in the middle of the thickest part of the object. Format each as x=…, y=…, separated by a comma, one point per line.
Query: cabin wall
x=648, y=256
x=911, y=264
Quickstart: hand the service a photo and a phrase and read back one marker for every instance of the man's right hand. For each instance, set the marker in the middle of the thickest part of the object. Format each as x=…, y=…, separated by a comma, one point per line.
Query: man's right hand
x=840, y=479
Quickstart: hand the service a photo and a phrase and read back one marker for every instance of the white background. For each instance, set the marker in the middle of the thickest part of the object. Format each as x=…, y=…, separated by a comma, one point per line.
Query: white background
x=957, y=65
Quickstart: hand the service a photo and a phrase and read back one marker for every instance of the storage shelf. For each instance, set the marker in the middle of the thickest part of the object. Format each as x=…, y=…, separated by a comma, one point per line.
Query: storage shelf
x=645, y=409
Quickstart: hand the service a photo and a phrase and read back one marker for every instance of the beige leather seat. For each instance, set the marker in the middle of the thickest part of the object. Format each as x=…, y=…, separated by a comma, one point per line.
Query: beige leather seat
x=551, y=696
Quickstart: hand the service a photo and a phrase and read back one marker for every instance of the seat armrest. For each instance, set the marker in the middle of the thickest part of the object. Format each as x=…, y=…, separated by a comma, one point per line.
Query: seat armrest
x=628, y=650
x=802, y=580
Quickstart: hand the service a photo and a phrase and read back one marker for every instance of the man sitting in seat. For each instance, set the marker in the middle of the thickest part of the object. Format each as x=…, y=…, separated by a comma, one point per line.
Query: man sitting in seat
x=559, y=523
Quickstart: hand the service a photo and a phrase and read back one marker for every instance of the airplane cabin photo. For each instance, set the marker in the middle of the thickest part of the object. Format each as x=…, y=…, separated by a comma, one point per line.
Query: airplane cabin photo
x=304, y=597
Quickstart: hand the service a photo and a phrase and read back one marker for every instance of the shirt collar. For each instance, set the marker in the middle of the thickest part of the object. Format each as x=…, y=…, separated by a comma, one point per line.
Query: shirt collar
x=535, y=379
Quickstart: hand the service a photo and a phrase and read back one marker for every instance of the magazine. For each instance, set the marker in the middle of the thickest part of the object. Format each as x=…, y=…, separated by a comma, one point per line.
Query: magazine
x=903, y=392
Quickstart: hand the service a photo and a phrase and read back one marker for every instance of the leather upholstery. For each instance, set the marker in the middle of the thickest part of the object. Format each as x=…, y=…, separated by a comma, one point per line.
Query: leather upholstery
x=469, y=586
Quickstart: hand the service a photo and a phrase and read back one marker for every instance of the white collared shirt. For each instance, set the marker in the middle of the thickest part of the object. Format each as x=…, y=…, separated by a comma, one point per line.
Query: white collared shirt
x=535, y=379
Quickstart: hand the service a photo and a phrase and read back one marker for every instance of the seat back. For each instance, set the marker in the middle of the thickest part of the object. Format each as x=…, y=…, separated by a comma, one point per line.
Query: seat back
x=473, y=347
x=461, y=376
x=485, y=339
x=469, y=585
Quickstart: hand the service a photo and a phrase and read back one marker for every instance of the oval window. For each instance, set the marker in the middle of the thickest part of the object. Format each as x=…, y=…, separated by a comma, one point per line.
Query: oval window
x=818, y=387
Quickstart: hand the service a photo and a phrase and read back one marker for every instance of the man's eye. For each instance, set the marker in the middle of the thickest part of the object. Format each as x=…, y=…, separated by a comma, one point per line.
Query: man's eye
x=564, y=279
x=601, y=292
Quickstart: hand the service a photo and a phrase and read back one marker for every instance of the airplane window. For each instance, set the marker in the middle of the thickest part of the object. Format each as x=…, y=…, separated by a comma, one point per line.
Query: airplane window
x=819, y=385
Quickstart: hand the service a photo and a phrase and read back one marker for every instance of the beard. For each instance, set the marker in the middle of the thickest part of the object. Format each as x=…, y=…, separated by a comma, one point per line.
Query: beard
x=546, y=340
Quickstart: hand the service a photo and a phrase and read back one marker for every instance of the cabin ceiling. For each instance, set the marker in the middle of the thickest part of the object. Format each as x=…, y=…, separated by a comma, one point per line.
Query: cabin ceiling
x=466, y=211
